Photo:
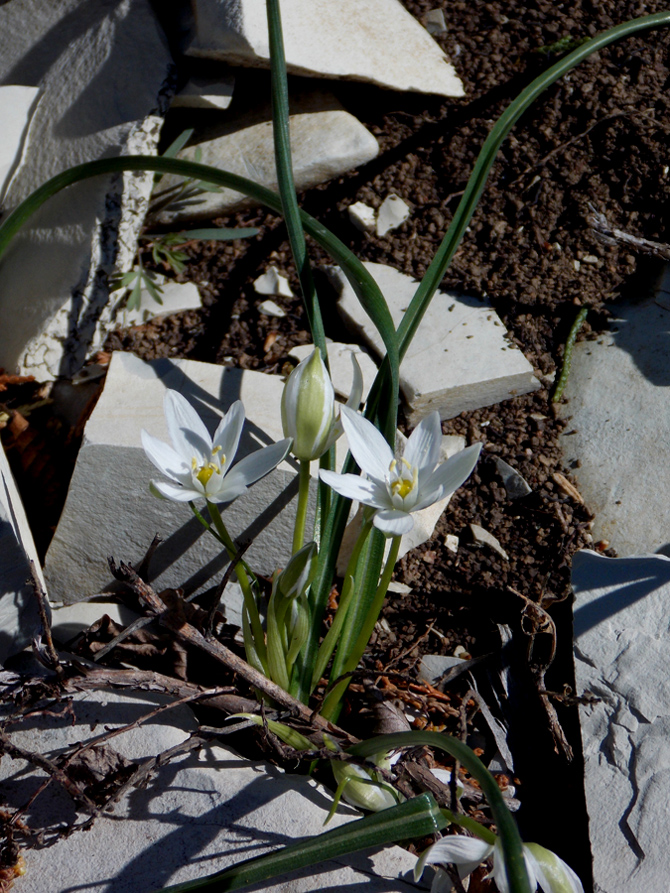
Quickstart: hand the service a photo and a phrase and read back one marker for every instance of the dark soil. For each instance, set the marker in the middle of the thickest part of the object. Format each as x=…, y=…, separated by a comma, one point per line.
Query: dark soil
x=596, y=140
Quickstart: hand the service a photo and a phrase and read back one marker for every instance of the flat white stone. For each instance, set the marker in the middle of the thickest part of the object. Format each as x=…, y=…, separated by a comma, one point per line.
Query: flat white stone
x=362, y=216
x=205, y=93
x=272, y=282
x=69, y=620
x=459, y=358
x=622, y=652
x=618, y=424
x=176, y=296
x=198, y=815
x=367, y=40
x=19, y=617
x=451, y=541
x=102, y=72
x=341, y=367
x=269, y=308
x=16, y=105
x=392, y=213
x=326, y=141
x=109, y=510
x=435, y=22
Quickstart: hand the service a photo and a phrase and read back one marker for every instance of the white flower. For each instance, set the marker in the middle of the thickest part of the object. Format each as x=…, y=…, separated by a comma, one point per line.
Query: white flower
x=199, y=466
x=544, y=868
x=398, y=486
x=308, y=408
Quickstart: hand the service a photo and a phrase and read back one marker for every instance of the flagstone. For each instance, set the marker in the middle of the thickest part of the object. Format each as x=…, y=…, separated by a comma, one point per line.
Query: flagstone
x=459, y=359
x=377, y=41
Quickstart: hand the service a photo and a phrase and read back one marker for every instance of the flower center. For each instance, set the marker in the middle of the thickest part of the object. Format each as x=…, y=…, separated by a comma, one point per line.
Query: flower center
x=204, y=472
x=404, y=478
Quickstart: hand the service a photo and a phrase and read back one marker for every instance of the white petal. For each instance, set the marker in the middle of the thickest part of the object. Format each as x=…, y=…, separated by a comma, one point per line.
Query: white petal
x=499, y=872
x=175, y=492
x=230, y=489
x=552, y=873
x=227, y=435
x=185, y=427
x=464, y=852
x=393, y=522
x=356, y=392
x=257, y=464
x=164, y=457
x=367, y=444
x=423, y=447
x=352, y=486
x=449, y=476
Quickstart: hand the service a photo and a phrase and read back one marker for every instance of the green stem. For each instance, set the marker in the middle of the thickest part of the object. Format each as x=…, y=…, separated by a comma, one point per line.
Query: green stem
x=331, y=704
x=567, y=354
x=303, y=505
x=476, y=828
x=348, y=589
x=245, y=585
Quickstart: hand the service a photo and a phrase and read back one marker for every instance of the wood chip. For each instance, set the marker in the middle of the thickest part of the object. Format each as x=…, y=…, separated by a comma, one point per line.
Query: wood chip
x=568, y=488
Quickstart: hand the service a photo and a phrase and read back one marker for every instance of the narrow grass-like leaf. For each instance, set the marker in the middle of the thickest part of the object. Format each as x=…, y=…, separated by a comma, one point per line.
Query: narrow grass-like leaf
x=283, y=162
x=218, y=234
x=419, y=817
x=507, y=830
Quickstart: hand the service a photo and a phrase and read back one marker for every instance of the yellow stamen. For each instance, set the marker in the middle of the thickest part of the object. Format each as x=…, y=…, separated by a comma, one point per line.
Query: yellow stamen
x=206, y=472
x=402, y=487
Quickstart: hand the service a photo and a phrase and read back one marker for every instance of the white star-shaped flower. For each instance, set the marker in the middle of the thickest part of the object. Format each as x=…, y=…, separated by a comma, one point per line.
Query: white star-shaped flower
x=398, y=486
x=199, y=466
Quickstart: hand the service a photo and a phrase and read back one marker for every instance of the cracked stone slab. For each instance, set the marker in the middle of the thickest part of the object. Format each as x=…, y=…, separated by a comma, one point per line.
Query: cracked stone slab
x=326, y=141
x=109, y=510
x=19, y=618
x=459, y=359
x=622, y=654
x=615, y=431
x=103, y=72
x=16, y=104
x=200, y=813
x=377, y=41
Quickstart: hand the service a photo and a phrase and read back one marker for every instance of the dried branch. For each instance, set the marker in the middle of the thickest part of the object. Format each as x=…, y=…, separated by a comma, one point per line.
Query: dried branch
x=614, y=236
x=188, y=634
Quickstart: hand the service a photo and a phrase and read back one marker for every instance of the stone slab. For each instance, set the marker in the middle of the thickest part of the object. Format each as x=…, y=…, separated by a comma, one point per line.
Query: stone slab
x=103, y=73
x=459, y=359
x=618, y=421
x=326, y=141
x=377, y=41
x=622, y=653
x=19, y=617
x=16, y=105
x=176, y=297
x=198, y=815
x=109, y=510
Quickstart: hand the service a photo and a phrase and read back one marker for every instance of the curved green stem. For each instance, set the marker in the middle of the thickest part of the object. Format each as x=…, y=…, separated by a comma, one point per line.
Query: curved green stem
x=507, y=829
x=303, y=505
x=245, y=585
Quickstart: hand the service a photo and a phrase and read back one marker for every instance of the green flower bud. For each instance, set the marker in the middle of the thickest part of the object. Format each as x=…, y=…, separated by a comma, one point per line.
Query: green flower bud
x=308, y=408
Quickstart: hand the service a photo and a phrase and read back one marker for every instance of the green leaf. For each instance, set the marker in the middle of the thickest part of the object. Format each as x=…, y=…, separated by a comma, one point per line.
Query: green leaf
x=175, y=148
x=219, y=234
x=419, y=817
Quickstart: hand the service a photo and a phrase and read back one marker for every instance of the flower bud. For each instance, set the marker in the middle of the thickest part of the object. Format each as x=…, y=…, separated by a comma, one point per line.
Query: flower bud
x=308, y=408
x=299, y=572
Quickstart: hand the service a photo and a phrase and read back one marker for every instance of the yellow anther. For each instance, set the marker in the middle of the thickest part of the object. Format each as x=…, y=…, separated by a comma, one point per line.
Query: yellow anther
x=402, y=487
x=205, y=473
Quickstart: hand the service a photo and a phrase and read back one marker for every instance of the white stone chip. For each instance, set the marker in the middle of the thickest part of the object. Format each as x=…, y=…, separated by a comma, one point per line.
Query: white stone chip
x=269, y=308
x=205, y=93
x=377, y=41
x=459, y=359
x=326, y=142
x=198, y=815
x=341, y=367
x=363, y=217
x=392, y=214
x=483, y=536
x=16, y=105
x=451, y=541
x=272, y=282
x=19, y=617
x=103, y=73
x=435, y=22
x=622, y=653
